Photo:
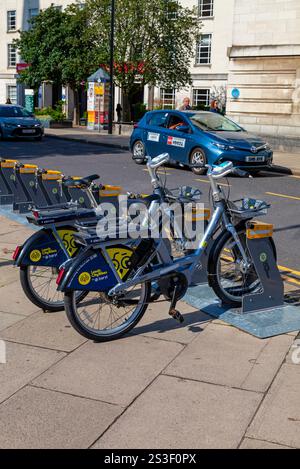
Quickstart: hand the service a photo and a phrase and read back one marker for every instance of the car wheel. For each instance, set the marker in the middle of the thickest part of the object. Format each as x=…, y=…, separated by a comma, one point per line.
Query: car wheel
x=138, y=152
x=198, y=157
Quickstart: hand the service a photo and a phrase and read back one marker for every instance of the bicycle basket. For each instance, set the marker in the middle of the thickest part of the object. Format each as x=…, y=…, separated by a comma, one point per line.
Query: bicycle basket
x=187, y=194
x=248, y=208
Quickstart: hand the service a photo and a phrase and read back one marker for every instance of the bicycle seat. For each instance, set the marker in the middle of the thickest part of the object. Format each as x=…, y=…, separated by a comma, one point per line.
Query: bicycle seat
x=83, y=183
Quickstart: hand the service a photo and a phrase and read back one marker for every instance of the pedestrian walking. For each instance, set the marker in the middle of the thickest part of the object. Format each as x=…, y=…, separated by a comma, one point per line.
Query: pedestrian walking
x=8, y=101
x=119, y=110
x=214, y=106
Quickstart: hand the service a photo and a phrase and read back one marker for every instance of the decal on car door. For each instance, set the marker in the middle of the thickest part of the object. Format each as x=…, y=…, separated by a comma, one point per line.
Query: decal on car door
x=153, y=137
x=176, y=142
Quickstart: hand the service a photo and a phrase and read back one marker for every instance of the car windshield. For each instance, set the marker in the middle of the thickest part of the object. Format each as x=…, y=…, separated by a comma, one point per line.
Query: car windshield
x=14, y=111
x=215, y=122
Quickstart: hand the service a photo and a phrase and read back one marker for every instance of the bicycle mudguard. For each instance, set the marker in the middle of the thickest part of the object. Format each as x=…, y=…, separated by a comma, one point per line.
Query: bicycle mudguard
x=89, y=271
x=43, y=249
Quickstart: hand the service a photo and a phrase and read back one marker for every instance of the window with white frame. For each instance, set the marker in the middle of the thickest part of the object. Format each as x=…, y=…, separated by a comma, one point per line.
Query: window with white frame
x=11, y=55
x=32, y=12
x=11, y=20
x=201, y=97
x=167, y=97
x=203, y=52
x=11, y=93
x=172, y=7
x=206, y=8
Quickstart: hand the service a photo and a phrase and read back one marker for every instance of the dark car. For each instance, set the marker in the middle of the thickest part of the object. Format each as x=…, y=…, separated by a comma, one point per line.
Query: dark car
x=196, y=137
x=16, y=121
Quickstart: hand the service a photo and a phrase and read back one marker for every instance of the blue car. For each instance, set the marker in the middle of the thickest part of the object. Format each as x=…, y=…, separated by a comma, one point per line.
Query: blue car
x=16, y=121
x=196, y=137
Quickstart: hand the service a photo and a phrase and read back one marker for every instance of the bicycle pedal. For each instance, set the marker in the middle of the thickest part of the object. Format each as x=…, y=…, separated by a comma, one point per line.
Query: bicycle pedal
x=176, y=315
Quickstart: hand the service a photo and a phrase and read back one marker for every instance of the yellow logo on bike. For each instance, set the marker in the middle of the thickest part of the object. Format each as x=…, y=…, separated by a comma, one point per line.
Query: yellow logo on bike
x=68, y=239
x=121, y=260
x=35, y=255
x=84, y=278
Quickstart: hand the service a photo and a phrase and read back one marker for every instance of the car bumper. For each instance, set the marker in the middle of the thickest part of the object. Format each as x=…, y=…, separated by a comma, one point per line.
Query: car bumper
x=18, y=132
x=241, y=160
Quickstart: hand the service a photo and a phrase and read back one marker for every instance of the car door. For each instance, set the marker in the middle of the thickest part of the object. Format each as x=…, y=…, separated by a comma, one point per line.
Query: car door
x=178, y=143
x=155, y=132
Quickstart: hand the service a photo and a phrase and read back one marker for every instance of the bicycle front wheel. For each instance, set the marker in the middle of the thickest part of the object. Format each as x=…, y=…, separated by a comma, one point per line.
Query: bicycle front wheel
x=229, y=278
x=100, y=319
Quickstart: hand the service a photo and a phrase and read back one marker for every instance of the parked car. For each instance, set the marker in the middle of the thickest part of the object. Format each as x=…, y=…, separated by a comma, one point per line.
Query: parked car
x=198, y=137
x=16, y=121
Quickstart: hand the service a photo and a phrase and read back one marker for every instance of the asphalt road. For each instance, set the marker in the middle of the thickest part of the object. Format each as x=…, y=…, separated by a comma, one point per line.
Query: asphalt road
x=116, y=167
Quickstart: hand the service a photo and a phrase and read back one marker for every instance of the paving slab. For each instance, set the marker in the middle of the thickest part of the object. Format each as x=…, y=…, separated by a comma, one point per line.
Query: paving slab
x=13, y=299
x=114, y=372
x=174, y=413
x=7, y=319
x=23, y=363
x=249, y=443
x=8, y=274
x=49, y=330
x=227, y=356
x=38, y=418
x=16, y=237
x=278, y=419
x=157, y=323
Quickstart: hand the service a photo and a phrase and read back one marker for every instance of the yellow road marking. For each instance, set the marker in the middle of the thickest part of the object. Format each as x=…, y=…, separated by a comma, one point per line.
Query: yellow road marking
x=295, y=177
x=207, y=182
x=283, y=196
x=160, y=172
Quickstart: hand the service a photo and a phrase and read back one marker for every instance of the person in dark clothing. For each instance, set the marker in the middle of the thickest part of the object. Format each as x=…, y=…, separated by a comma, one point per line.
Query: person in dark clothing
x=8, y=101
x=214, y=107
x=119, y=110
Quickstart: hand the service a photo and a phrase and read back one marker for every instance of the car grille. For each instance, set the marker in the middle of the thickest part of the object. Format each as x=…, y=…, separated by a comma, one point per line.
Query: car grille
x=19, y=131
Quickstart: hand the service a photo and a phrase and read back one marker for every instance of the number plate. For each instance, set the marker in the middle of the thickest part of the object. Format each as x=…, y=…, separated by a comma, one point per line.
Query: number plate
x=255, y=159
x=28, y=131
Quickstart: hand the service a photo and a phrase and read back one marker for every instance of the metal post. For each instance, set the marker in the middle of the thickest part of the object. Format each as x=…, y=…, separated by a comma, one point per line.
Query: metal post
x=112, y=37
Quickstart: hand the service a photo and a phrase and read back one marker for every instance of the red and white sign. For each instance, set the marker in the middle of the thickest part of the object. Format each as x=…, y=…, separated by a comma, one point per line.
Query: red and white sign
x=22, y=67
x=176, y=142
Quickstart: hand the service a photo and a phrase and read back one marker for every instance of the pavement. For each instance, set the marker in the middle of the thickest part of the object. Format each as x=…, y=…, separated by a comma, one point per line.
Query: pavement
x=285, y=162
x=202, y=384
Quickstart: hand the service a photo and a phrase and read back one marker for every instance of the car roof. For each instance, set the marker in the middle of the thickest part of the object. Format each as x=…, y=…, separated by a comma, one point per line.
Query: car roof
x=187, y=113
x=9, y=105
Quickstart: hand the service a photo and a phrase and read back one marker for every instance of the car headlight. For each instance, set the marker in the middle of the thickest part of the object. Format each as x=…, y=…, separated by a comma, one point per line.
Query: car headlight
x=222, y=146
x=9, y=125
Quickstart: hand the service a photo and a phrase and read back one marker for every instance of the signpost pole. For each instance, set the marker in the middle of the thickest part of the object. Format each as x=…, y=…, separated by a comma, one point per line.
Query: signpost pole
x=111, y=67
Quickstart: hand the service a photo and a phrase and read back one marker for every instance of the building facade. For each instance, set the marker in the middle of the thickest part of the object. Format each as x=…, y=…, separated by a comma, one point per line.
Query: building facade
x=14, y=16
x=264, y=69
x=210, y=65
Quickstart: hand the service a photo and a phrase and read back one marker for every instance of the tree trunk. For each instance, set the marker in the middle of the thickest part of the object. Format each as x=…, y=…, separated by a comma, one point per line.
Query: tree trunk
x=76, y=114
x=126, y=107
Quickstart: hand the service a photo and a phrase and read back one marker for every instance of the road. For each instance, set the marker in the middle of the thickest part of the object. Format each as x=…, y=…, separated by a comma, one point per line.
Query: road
x=116, y=167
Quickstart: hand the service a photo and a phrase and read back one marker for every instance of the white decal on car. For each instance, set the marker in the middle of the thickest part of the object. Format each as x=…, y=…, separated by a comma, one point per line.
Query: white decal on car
x=153, y=137
x=176, y=142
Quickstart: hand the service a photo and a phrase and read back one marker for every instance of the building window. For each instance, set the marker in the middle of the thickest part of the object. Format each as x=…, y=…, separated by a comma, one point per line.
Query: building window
x=206, y=8
x=167, y=97
x=11, y=55
x=201, y=97
x=172, y=8
x=32, y=12
x=11, y=20
x=11, y=93
x=203, y=52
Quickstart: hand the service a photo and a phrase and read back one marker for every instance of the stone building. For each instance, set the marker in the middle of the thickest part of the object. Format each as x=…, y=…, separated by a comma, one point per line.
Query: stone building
x=264, y=67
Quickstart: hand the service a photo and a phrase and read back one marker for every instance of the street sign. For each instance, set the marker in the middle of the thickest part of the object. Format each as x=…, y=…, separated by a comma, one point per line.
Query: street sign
x=21, y=67
x=29, y=100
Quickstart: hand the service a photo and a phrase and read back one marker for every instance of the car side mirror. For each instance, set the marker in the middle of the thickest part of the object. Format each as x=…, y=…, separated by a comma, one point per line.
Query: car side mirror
x=183, y=128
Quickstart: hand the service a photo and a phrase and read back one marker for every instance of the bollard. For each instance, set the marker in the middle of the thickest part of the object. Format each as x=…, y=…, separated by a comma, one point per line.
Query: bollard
x=21, y=198
x=51, y=182
x=28, y=174
x=6, y=195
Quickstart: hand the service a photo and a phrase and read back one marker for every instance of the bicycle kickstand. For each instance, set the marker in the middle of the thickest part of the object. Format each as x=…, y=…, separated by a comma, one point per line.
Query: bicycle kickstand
x=174, y=313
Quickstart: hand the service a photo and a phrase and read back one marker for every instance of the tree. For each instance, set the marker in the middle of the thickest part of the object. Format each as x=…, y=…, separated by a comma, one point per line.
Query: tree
x=154, y=41
x=59, y=48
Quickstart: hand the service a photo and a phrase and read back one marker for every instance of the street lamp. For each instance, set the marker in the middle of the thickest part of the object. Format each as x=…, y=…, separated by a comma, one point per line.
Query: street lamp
x=111, y=68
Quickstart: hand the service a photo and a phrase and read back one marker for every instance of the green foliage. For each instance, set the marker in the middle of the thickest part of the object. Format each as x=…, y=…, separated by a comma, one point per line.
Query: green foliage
x=154, y=41
x=139, y=110
x=55, y=114
x=58, y=46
